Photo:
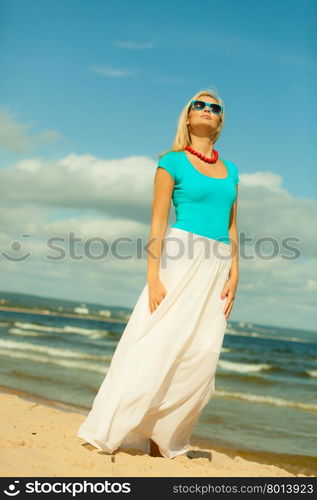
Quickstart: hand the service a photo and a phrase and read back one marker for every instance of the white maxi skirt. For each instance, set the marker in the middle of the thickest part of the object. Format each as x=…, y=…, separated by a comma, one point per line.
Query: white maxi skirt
x=162, y=373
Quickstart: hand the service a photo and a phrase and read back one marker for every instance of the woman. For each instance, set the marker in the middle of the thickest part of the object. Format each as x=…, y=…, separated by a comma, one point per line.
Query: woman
x=162, y=373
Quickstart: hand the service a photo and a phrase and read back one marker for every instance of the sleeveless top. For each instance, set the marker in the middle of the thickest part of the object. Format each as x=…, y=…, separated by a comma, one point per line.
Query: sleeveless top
x=202, y=204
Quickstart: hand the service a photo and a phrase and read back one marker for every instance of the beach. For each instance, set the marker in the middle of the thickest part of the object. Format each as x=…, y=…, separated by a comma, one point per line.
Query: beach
x=38, y=439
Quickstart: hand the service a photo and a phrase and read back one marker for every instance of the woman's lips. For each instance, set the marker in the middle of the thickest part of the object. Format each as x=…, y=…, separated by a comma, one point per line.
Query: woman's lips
x=207, y=116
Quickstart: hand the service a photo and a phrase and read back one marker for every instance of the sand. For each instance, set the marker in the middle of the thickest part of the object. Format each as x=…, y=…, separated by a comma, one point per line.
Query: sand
x=40, y=440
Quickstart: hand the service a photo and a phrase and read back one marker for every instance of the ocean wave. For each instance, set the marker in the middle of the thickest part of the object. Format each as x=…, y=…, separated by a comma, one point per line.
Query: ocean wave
x=53, y=351
x=80, y=365
x=232, y=331
x=29, y=333
x=243, y=367
x=91, y=332
x=269, y=400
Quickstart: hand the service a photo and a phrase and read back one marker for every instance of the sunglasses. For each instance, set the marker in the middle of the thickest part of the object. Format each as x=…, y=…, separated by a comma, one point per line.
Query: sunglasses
x=213, y=106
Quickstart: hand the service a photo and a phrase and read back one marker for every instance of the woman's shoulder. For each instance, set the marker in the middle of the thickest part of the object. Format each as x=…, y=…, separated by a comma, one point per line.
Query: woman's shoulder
x=169, y=161
x=171, y=155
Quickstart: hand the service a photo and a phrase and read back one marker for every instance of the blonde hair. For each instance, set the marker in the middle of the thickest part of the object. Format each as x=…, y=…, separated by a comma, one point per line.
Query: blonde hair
x=182, y=137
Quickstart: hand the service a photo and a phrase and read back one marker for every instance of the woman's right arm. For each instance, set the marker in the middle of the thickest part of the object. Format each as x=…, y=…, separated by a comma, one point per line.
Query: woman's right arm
x=163, y=190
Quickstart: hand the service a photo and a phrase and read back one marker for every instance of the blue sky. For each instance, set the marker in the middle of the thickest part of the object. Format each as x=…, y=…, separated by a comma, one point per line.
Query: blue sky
x=97, y=81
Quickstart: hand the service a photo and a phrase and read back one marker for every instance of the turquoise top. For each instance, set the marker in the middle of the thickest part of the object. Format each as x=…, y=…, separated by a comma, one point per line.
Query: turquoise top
x=202, y=203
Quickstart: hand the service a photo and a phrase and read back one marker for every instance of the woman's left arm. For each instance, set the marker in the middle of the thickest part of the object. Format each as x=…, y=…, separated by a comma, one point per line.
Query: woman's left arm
x=229, y=289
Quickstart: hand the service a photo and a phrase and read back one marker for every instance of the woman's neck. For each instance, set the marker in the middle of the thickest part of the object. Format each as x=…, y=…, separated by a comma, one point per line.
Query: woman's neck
x=204, y=146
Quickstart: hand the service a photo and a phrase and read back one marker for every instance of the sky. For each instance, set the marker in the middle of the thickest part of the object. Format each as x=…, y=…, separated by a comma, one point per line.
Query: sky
x=91, y=93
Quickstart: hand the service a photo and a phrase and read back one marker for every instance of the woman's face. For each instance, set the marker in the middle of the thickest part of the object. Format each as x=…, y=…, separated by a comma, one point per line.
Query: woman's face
x=205, y=120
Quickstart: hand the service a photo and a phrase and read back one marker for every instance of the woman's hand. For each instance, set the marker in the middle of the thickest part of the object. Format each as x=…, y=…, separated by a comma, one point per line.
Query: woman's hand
x=229, y=290
x=157, y=292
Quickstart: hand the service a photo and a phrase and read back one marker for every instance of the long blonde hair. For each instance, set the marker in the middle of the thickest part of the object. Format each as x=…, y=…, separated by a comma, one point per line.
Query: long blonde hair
x=182, y=137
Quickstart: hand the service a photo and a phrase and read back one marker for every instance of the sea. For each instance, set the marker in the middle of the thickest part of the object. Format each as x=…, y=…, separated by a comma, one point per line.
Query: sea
x=266, y=379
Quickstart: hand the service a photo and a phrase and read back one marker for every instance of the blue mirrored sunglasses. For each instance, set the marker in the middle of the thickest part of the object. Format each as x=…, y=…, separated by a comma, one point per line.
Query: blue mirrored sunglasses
x=213, y=106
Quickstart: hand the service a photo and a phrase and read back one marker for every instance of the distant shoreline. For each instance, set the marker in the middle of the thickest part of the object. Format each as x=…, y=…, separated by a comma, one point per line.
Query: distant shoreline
x=62, y=315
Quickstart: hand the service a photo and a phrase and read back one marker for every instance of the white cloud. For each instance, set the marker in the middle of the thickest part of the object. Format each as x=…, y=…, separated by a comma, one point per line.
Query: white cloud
x=269, y=180
x=109, y=70
x=16, y=137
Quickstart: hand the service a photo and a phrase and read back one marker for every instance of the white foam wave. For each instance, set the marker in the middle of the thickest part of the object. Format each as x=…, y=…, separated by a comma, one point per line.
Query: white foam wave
x=23, y=333
x=243, y=367
x=231, y=331
x=79, y=365
x=267, y=400
x=53, y=351
x=94, y=333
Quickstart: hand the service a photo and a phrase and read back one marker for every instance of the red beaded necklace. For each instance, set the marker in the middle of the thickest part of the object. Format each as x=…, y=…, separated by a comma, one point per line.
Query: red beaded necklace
x=203, y=157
